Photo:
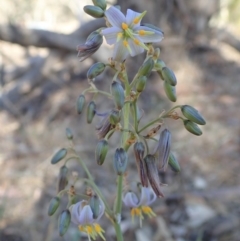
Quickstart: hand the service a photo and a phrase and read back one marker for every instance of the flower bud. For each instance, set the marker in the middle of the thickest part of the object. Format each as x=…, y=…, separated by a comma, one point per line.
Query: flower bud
x=139, y=149
x=118, y=94
x=59, y=156
x=164, y=145
x=80, y=104
x=141, y=83
x=93, y=43
x=69, y=134
x=64, y=222
x=192, y=127
x=192, y=114
x=101, y=151
x=100, y=3
x=95, y=70
x=114, y=117
x=91, y=110
x=63, y=181
x=159, y=65
x=120, y=161
x=94, y=11
x=156, y=53
x=146, y=68
x=152, y=173
x=169, y=76
x=95, y=206
x=170, y=91
x=173, y=163
x=53, y=206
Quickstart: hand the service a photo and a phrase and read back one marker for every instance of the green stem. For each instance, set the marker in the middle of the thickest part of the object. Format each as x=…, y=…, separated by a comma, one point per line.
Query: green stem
x=149, y=124
x=118, y=207
x=135, y=115
x=101, y=92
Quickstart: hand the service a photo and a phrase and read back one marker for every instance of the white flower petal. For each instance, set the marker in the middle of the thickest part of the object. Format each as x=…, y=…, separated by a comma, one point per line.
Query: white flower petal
x=147, y=196
x=101, y=209
x=115, y=17
x=76, y=210
x=120, y=52
x=86, y=216
x=157, y=36
x=131, y=15
x=131, y=200
x=111, y=34
x=135, y=49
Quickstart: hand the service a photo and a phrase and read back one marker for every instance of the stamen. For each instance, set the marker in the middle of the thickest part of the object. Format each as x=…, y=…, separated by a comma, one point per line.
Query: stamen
x=136, y=41
x=139, y=18
x=119, y=36
x=124, y=26
x=141, y=32
x=125, y=43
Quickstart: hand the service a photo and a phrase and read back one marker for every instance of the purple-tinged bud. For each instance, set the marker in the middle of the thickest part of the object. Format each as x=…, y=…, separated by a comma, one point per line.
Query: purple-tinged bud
x=69, y=134
x=100, y=3
x=63, y=180
x=53, y=206
x=101, y=151
x=152, y=173
x=95, y=206
x=91, y=110
x=120, y=161
x=141, y=83
x=169, y=76
x=59, y=156
x=93, y=43
x=64, y=222
x=95, y=70
x=192, y=114
x=114, y=117
x=139, y=149
x=94, y=11
x=173, y=163
x=170, y=91
x=104, y=127
x=192, y=127
x=164, y=146
x=118, y=94
x=146, y=68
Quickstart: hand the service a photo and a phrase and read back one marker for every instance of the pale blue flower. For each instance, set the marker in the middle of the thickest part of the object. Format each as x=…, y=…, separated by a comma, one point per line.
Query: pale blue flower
x=127, y=34
x=82, y=215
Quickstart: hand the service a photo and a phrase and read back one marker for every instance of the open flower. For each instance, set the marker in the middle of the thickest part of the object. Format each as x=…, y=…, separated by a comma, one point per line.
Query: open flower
x=140, y=206
x=127, y=34
x=83, y=215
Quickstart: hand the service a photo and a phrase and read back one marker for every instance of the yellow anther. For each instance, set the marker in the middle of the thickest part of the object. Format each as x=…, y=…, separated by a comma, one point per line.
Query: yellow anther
x=136, y=41
x=124, y=26
x=141, y=32
x=136, y=20
x=135, y=212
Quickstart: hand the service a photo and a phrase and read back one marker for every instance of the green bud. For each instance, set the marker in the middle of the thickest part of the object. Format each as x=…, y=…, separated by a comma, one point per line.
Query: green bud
x=91, y=110
x=100, y=3
x=95, y=70
x=114, y=117
x=118, y=94
x=69, y=134
x=141, y=83
x=95, y=206
x=169, y=76
x=94, y=11
x=170, y=91
x=101, y=151
x=64, y=222
x=146, y=68
x=159, y=65
x=173, y=163
x=59, y=156
x=120, y=161
x=192, y=127
x=63, y=181
x=80, y=104
x=192, y=114
x=53, y=206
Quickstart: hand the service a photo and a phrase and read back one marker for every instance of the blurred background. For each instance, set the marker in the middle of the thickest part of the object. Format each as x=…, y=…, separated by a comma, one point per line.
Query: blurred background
x=41, y=78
